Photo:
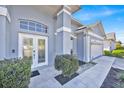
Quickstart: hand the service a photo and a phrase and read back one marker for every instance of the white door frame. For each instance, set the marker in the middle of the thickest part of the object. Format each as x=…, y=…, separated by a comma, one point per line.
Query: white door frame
x=35, y=45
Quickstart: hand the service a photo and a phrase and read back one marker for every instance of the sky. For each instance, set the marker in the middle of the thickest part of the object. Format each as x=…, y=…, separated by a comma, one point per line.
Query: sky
x=111, y=16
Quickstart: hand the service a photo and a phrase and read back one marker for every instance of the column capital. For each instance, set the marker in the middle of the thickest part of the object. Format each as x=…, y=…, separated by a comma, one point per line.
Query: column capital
x=66, y=29
x=4, y=12
x=64, y=9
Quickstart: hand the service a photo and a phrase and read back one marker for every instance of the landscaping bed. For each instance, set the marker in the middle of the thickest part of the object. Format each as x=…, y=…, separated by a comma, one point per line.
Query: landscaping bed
x=114, y=79
x=63, y=80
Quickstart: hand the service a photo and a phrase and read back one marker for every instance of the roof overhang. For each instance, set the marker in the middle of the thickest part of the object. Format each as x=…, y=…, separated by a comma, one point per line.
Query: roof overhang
x=111, y=36
x=100, y=27
x=74, y=21
x=88, y=30
x=54, y=9
x=74, y=8
x=89, y=27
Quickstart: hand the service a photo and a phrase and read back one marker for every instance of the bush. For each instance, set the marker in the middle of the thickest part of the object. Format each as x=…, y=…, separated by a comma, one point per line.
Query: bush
x=68, y=64
x=122, y=77
x=118, y=53
x=15, y=73
x=119, y=48
x=107, y=53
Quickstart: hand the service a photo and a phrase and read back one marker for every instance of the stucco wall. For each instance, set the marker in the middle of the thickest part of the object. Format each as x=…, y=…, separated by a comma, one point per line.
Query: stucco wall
x=113, y=46
x=109, y=45
x=106, y=45
x=80, y=46
x=2, y=37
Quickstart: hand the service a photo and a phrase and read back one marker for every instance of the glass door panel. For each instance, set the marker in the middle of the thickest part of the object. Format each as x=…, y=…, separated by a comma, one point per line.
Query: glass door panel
x=27, y=47
x=41, y=50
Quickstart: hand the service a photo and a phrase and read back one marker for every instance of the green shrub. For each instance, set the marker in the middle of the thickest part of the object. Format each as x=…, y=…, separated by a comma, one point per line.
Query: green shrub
x=118, y=53
x=15, y=73
x=122, y=77
x=107, y=53
x=119, y=48
x=68, y=64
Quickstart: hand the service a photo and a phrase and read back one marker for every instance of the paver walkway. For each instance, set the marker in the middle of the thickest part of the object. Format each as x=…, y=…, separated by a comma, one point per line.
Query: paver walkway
x=91, y=78
x=119, y=63
x=45, y=79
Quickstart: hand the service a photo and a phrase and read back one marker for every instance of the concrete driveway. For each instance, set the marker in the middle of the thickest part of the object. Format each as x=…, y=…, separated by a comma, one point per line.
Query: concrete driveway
x=119, y=63
x=91, y=78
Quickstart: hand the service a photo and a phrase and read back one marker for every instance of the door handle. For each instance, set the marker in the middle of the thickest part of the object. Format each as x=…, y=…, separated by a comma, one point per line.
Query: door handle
x=34, y=54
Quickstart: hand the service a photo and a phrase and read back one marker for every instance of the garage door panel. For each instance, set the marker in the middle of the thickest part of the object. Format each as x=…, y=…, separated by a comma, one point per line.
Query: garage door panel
x=96, y=50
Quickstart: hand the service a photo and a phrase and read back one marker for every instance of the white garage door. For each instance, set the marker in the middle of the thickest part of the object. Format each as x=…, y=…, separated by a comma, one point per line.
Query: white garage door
x=96, y=50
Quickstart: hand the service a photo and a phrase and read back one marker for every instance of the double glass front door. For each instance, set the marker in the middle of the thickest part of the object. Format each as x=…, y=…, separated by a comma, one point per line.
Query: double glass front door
x=33, y=47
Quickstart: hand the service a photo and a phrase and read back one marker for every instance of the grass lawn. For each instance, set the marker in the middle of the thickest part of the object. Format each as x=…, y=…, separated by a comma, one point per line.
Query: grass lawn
x=118, y=52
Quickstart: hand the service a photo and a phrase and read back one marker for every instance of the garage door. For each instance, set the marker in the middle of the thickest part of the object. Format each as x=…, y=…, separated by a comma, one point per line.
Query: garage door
x=96, y=50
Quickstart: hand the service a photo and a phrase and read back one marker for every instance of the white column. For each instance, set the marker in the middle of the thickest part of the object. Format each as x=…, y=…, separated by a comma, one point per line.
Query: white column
x=63, y=32
x=87, y=48
x=4, y=15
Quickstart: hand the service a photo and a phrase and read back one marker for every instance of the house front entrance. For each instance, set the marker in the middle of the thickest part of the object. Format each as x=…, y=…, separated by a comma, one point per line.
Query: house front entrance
x=34, y=47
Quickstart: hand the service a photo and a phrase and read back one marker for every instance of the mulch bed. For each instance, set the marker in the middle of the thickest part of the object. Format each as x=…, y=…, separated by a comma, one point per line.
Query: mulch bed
x=62, y=80
x=113, y=79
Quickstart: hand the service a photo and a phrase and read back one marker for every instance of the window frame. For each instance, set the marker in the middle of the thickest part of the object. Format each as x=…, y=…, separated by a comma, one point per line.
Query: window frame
x=37, y=27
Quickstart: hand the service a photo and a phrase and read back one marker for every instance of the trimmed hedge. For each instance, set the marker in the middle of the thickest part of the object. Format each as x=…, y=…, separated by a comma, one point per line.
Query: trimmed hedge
x=118, y=53
x=114, y=53
x=119, y=48
x=68, y=64
x=107, y=53
x=15, y=73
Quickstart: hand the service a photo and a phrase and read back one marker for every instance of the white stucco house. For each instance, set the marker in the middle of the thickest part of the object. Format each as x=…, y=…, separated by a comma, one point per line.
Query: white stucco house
x=42, y=32
x=110, y=41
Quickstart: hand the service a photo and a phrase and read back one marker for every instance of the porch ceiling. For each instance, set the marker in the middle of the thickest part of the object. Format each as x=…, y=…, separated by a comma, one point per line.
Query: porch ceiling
x=54, y=9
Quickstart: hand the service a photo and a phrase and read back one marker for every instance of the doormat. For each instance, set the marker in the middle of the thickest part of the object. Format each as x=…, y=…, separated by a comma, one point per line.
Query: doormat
x=35, y=73
x=62, y=80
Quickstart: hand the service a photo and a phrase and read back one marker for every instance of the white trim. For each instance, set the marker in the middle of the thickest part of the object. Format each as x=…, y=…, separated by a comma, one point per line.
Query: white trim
x=95, y=35
x=88, y=48
x=67, y=7
x=66, y=29
x=4, y=12
x=89, y=33
x=95, y=41
x=35, y=42
x=73, y=36
x=63, y=10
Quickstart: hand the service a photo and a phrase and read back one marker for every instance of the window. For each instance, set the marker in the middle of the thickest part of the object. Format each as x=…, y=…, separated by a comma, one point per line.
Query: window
x=32, y=26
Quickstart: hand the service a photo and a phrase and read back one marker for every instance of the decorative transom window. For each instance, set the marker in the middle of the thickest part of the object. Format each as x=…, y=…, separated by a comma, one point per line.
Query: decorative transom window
x=32, y=26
